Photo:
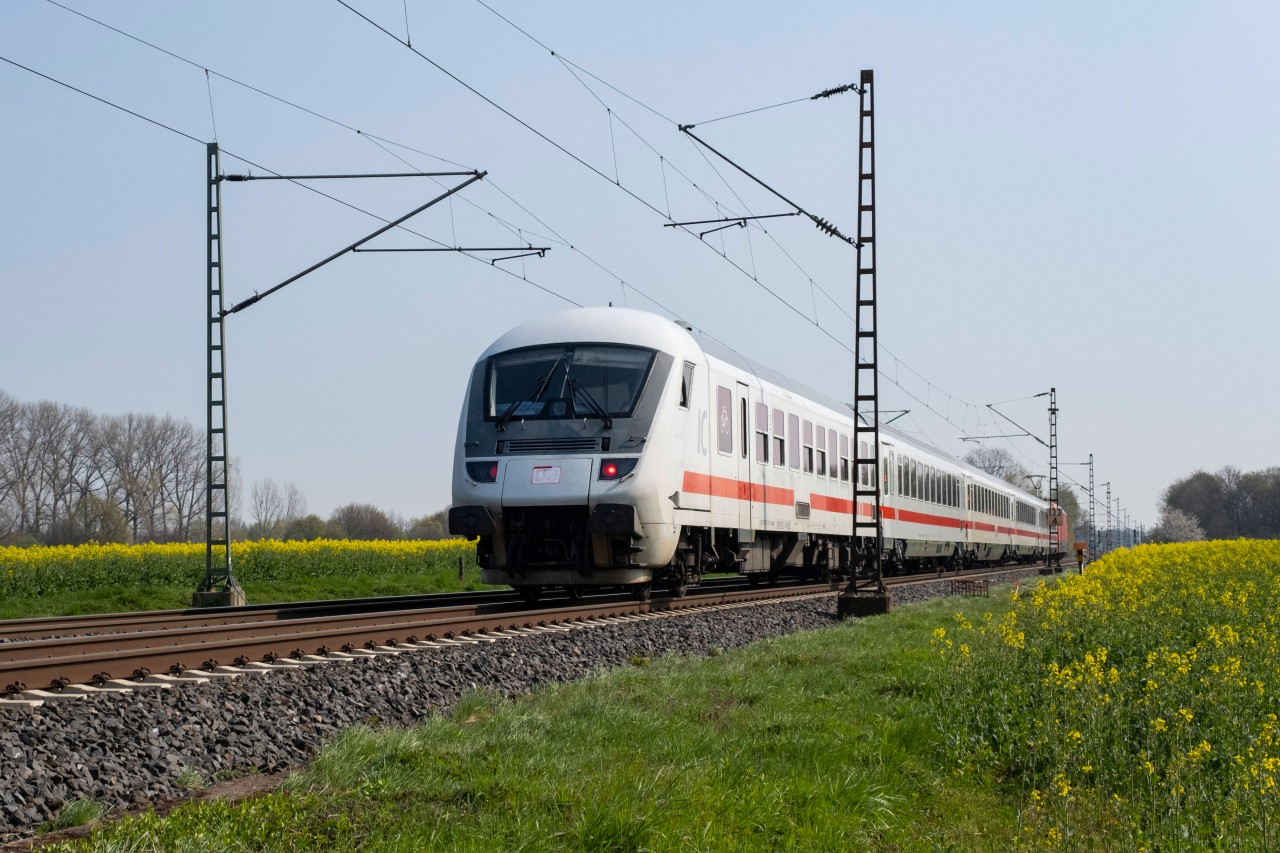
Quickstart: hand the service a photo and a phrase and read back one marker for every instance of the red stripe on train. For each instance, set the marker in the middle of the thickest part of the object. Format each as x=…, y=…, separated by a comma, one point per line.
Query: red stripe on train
x=728, y=487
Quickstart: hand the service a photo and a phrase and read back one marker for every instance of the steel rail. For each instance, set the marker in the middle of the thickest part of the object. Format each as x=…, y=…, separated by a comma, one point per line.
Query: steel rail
x=14, y=630
x=56, y=663
x=101, y=658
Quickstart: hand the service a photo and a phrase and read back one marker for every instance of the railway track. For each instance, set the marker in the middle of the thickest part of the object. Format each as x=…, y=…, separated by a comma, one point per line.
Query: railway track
x=46, y=658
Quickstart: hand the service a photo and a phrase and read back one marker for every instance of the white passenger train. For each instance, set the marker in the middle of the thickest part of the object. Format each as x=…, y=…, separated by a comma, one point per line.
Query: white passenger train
x=608, y=446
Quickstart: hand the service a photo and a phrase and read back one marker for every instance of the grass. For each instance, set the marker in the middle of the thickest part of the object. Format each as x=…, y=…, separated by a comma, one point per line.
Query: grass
x=818, y=741
x=76, y=812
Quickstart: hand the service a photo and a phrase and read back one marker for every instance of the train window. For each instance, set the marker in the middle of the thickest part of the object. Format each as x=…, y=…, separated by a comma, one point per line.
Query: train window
x=808, y=447
x=793, y=436
x=686, y=386
x=762, y=432
x=556, y=382
x=821, y=445
x=935, y=486
x=833, y=453
x=724, y=419
x=844, y=458
x=779, y=438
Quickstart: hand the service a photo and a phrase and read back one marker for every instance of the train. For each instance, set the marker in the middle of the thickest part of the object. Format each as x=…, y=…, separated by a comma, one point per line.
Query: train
x=611, y=447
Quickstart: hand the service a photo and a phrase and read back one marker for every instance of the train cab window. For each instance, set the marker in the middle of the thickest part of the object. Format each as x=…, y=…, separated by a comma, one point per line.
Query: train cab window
x=807, y=432
x=724, y=419
x=779, y=438
x=686, y=386
x=821, y=446
x=762, y=433
x=844, y=458
x=793, y=436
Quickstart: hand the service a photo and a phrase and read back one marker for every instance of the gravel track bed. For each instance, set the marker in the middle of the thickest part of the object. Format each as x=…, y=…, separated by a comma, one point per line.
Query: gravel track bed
x=128, y=748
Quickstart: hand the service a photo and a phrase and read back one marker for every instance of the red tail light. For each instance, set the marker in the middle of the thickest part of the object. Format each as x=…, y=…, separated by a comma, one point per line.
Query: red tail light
x=616, y=469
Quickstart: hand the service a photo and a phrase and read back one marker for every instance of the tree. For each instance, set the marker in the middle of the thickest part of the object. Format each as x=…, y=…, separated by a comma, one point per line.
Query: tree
x=434, y=526
x=999, y=462
x=1202, y=496
x=1176, y=526
x=1261, y=498
x=266, y=504
x=361, y=521
x=1077, y=518
x=93, y=520
x=307, y=527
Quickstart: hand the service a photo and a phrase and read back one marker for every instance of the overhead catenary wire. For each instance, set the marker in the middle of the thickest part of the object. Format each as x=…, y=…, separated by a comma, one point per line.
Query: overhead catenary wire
x=577, y=71
x=600, y=173
x=243, y=159
x=372, y=137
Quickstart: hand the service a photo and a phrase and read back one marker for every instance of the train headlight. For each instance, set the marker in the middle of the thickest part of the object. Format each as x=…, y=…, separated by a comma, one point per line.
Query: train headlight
x=616, y=469
x=482, y=472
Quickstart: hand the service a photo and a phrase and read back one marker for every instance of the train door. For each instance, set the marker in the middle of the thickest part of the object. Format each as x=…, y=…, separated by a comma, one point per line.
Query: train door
x=746, y=489
x=890, y=483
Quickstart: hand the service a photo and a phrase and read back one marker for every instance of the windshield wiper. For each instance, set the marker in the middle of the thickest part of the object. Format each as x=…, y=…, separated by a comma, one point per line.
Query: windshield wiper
x=595, y=407
x=529, y=395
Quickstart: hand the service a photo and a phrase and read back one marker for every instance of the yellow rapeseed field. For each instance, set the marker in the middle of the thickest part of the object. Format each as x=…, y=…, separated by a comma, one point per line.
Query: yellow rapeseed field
x=67, y=568
x=1136, y=704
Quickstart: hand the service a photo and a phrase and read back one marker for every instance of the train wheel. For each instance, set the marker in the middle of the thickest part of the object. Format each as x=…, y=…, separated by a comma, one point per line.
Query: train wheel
x=642, y=591
x=530, y=593
x=679, y=589
x=575, y=592
x=753, y=580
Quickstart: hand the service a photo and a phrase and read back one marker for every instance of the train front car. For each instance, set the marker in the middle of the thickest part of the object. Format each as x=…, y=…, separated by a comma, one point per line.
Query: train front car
x=561, y=467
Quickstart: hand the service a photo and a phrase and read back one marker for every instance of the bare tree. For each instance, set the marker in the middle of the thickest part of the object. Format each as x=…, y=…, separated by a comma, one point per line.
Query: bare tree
x=266, y=506
x=295, y=504
x=999, y=462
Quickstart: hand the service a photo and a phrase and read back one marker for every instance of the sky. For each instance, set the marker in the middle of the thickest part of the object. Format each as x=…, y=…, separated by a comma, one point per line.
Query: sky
x=1078, y=196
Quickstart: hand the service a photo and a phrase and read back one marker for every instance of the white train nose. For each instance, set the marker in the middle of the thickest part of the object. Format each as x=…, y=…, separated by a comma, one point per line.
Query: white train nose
x=559, y=481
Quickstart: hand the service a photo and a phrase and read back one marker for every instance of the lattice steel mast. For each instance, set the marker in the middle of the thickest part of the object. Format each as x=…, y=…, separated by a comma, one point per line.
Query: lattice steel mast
x=866, y=591
x=219, y=582
x=1055, y=535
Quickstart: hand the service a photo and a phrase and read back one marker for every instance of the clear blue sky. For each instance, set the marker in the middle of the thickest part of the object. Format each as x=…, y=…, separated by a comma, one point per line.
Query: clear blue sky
x=1072, y=195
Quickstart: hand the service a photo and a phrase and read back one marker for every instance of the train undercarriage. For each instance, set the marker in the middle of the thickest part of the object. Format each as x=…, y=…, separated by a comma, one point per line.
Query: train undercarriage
x=568, y=548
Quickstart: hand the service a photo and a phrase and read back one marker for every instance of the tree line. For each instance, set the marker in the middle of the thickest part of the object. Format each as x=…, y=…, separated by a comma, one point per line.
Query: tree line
x=1228, y=504
x=69, y=475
